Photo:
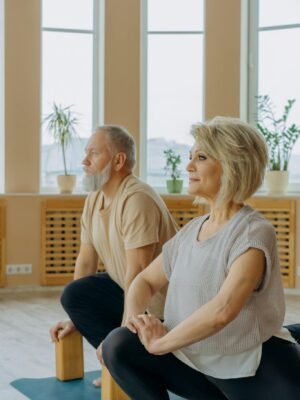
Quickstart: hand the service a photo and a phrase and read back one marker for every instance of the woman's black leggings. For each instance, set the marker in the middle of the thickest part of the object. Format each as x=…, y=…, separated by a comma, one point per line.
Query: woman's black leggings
x=148, y=377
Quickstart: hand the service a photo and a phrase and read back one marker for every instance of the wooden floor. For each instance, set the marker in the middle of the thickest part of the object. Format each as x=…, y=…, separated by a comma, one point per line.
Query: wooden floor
x=25, y=346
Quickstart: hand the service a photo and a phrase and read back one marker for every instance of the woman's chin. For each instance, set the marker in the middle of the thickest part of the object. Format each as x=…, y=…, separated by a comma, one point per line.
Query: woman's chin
x=192, y=190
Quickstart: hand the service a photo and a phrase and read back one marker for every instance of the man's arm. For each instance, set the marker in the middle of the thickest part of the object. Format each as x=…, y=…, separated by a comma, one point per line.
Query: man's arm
x=86, y=264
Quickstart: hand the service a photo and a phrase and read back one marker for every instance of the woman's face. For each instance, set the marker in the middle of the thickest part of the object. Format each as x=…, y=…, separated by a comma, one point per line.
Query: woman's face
x=204, y=174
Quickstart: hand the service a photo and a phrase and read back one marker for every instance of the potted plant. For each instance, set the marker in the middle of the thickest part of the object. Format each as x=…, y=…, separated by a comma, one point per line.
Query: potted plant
x=281, y=137
x=61, y=124
x=173, y=160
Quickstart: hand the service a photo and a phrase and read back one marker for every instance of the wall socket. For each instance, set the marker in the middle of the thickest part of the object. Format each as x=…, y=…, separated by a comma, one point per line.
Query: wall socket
x=18, y=269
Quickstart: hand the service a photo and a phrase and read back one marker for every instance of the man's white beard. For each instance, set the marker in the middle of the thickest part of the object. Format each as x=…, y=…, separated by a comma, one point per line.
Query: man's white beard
x=92, y=183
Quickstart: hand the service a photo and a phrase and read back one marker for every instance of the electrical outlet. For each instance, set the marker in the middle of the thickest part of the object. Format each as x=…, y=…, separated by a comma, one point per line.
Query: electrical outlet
x=18, y=269
x=298, y=271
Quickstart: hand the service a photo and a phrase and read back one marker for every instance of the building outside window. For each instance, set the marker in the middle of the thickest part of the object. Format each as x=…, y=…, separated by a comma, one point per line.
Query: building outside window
x=70, y=76
x=172, y=81
x=275, y=61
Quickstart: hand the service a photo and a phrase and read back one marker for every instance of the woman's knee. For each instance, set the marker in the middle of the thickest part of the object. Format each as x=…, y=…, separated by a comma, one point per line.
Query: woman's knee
x=118, y=347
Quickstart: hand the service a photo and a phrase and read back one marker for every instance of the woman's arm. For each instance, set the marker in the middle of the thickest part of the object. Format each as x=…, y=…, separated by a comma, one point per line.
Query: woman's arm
x=144, y=286
x=243, y=278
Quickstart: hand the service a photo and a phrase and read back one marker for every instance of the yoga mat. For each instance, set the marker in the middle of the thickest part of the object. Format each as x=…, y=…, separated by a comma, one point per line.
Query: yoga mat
x=53, y=389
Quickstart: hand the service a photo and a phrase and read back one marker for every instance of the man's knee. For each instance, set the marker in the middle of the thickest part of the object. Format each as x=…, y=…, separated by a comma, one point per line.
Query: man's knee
x=117, y=347
x=72, y=294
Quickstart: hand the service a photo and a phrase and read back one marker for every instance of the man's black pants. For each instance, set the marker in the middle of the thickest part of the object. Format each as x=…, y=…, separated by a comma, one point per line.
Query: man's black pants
x=95, y=305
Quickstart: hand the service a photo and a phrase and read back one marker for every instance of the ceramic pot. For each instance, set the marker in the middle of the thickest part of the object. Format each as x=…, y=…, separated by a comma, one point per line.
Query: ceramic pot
x=174, y=185
x=276, y=182
x=66, y=183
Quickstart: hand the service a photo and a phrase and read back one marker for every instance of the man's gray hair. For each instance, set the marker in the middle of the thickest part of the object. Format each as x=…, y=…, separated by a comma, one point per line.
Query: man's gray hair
x=120, y=140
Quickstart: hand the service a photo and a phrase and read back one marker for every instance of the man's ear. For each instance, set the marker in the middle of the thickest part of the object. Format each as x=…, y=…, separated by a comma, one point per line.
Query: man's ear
x=119, y=161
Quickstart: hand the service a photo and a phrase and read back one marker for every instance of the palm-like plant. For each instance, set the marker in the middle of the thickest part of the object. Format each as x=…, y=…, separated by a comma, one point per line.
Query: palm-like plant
x=61, y=124
x=279, y=136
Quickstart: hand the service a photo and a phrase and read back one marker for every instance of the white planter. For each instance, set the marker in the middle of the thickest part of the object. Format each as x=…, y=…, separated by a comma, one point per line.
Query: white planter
x=66, y=183
x=276, y=182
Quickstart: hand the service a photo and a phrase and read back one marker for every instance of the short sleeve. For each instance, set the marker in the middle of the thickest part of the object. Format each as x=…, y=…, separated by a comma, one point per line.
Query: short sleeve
x=258, y=236
x=169, y=252
x=85, y=235
x=141, y=220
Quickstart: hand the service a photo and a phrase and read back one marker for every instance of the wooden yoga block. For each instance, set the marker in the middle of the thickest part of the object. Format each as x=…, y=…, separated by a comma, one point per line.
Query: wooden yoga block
x=69, y=365
x=110, y=389
x=69, y=357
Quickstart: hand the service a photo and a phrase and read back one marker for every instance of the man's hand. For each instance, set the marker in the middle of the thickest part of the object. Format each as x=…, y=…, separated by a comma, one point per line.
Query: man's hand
x=61, y=329
x=99, y=353
x=149, y=329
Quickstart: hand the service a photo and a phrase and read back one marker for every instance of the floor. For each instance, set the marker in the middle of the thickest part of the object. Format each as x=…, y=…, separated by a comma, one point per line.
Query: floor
x=25, y=346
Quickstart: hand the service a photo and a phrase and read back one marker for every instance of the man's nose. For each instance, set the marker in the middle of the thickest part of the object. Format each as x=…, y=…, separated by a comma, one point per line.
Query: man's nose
x=85, y=161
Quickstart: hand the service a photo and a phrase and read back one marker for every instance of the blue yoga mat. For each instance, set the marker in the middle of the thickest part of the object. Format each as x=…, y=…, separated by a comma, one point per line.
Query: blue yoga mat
x=53, y=389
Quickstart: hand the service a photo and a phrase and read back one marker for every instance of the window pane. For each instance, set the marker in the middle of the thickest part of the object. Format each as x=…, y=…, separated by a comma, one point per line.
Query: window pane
x=175, y=15
x=279, y=67
x=175, y=86
x=1, y=96
x=67, y=80
x=279, y=12
x=76, y=14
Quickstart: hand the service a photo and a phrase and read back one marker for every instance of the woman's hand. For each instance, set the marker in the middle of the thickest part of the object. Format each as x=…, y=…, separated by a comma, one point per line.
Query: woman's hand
x=149, y=329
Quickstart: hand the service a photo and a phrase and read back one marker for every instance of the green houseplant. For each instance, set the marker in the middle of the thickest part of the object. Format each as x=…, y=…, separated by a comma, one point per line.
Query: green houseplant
x=281, y=137
x=173, y=160
x=61, y=123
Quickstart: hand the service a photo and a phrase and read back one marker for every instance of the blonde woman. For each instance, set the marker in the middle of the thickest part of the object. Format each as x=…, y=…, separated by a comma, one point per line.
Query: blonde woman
x=221, y=337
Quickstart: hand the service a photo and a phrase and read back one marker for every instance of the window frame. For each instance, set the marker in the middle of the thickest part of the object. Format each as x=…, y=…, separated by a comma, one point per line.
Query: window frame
x=144, y=85
x=253, y=59
x=97, y=33
x=2, y=95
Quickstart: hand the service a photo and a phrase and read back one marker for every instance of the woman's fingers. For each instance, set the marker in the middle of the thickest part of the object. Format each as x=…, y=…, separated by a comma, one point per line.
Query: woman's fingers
x=136, y=323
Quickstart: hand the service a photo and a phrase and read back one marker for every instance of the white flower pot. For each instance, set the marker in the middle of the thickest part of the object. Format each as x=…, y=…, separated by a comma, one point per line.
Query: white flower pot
x=276, y=182
x=66, y=183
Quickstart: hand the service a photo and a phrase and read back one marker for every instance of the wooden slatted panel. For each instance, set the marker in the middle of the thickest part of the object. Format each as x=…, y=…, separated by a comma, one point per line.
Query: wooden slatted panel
x=281, y=213
x=61, y=233
x=60, y=239
x=2, y=244
x=183, y=209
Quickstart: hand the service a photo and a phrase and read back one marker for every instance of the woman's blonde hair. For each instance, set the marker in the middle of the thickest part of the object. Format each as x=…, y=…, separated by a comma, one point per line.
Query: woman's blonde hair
x=242, y=152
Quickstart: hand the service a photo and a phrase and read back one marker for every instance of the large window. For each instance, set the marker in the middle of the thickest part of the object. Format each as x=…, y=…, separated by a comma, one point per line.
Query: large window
x=172, y=80
x=278, y=61
x=70, y=76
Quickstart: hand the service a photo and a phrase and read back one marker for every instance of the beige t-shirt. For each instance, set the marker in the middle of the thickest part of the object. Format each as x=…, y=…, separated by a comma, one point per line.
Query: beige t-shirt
x=136, y=217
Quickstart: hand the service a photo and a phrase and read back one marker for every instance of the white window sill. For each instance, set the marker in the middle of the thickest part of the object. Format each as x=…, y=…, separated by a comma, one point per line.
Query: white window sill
x=292, y=192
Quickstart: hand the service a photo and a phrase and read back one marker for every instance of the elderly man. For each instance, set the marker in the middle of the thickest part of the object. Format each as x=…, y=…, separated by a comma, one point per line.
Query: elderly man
x=124, y=225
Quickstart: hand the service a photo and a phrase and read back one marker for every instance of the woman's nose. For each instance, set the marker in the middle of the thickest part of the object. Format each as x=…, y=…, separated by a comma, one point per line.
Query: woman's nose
x=189, y=166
